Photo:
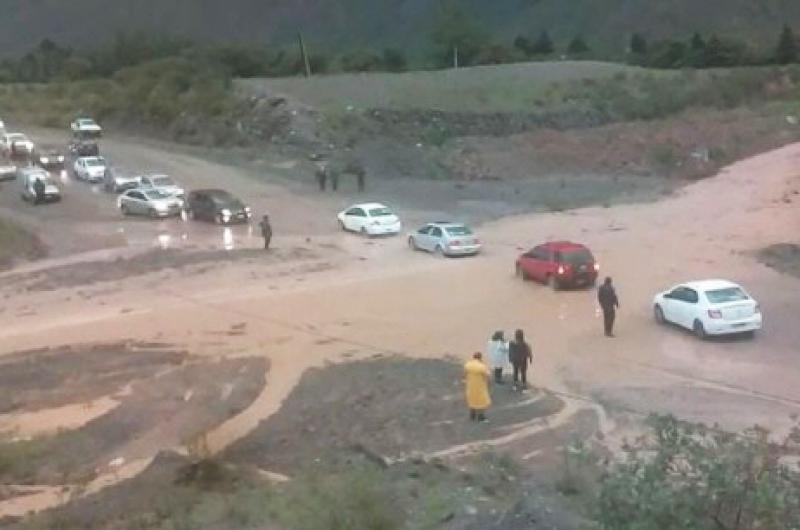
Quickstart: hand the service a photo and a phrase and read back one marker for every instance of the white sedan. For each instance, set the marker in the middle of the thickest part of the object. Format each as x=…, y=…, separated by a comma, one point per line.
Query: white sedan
x=709, y=307
x=86, y=126
x=371, y=219
x=90, y=168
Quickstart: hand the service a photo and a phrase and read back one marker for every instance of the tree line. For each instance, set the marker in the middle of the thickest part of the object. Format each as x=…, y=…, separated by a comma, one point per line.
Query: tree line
x=455, y=40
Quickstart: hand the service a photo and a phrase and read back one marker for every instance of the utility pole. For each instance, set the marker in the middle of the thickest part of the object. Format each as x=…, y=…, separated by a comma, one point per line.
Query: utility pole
x=455, y=57
x=304, y=55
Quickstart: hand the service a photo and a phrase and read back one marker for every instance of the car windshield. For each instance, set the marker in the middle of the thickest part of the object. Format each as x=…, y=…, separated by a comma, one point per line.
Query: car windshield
x=730, y=294
x=17, y=137
x=458, y=231
x=380, y=212
x=86, y=122
x=162, y=181
x=226, y=200
x=95, y=162
x=156, y=194
x=577, y=257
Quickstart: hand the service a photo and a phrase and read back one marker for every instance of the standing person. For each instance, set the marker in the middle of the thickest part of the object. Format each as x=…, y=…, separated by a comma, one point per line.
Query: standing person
x=477, y=387
x=519, y=352
x=361, y=175
x=498, y=355
x=38, y=190
x=266, y=231
x=322, y=176
x=334, y=174
x=607, y=297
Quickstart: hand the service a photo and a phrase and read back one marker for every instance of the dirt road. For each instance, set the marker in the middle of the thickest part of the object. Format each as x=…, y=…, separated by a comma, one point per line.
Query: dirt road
x=376, y=296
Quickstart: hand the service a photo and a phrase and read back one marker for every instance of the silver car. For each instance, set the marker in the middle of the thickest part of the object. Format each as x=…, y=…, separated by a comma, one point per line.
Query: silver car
x=445, y=238
x=163, y=183
x=153, y=203
x=116, y=180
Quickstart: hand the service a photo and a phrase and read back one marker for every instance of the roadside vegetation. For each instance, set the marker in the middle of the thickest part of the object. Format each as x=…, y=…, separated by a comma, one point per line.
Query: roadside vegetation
x=18, y=243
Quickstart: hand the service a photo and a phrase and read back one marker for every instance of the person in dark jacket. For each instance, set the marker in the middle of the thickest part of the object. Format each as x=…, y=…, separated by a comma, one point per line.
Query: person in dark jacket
x=38, y=190
x=322, y=176
x=519, y=353
x=607, y=297
x=266, y=231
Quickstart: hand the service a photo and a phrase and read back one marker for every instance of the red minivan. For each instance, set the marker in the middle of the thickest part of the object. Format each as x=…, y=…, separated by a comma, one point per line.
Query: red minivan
x=559, y=264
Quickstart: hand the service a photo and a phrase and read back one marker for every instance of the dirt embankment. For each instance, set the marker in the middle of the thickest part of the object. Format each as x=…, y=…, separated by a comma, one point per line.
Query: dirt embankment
x=159, y=397
x=386, y=438
x=783, y=257
x=18, y=243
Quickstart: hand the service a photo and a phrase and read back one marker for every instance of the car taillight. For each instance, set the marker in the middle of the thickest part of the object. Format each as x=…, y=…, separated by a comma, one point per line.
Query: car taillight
x=560, y=269
x=596, y=267
x=476, y=241
x=714, y=313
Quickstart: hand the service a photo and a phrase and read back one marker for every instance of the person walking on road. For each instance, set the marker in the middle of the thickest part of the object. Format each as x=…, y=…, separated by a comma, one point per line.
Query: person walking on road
x=322, y=176
x=266, y=231
x=498, y=355
x=520, y=354
x=607, y=297
x=38, y=190
x=476, y=378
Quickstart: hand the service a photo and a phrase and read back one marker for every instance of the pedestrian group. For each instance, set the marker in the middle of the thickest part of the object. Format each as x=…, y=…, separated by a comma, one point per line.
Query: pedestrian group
x=519, y=355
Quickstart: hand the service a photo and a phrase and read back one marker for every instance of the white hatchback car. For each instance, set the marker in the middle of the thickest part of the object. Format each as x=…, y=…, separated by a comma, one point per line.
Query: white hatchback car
x=371, y=218
x=90, y=168
x=709, y=307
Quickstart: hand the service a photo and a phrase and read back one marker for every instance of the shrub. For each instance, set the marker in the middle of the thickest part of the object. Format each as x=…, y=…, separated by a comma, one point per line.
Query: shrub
x=686, y=476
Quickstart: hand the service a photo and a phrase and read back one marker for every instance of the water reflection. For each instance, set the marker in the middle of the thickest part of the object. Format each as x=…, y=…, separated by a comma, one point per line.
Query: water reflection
x=164, y=241
x=227, y=238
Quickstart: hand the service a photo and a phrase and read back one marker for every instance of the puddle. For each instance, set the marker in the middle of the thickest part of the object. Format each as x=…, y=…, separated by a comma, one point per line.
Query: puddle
x=27, y=425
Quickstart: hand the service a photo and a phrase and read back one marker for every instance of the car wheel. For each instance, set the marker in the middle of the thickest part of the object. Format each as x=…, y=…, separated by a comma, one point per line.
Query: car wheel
x=124, y=210
x=153, y=213
x=363, y=231
x=699, y=330
x=439, y=251
x=412, y=244
x=552, y=282
x=658, y=313
x=341, y=226
x=520, y=272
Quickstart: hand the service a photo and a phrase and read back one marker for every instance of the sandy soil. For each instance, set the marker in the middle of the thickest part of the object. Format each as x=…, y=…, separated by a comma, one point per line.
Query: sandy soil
x=381, y=298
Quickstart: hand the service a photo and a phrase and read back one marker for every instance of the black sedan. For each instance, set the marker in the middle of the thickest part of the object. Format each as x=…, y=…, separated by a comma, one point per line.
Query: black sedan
x=217, y=206
x=51, y=160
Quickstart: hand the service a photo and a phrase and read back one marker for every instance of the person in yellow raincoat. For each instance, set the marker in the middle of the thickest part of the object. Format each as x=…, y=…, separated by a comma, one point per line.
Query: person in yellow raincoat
x=477, y=387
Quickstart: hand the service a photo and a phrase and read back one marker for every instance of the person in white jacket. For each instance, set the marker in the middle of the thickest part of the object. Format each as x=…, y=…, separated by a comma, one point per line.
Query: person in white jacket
x=498, y=355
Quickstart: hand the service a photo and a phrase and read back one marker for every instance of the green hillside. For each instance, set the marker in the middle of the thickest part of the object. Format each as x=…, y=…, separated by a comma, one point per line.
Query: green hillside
x=343, y=24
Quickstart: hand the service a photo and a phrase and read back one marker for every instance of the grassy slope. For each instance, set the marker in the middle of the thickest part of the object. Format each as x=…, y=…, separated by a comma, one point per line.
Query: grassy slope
x=514, y=87
x=17, y=243
x=401, y=23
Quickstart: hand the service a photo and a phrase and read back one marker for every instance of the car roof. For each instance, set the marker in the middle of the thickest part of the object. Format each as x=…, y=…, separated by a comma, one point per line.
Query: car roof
x=213, y=192
x=368, y=205
x=446, y=224
x=710, y=285
x=563, y=245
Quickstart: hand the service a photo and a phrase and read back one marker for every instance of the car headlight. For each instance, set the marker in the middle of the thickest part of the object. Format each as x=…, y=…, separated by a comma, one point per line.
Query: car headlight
x=60, y=158
x=225, y=212
x=161, y=206
x=44, y=160
x=247, y=209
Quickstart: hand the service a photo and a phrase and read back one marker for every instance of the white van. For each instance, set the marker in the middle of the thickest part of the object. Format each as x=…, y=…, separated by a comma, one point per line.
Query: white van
x=27, y=177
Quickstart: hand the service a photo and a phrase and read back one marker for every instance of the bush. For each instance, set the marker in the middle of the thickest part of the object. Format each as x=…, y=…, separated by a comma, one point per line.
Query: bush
x=691, y=477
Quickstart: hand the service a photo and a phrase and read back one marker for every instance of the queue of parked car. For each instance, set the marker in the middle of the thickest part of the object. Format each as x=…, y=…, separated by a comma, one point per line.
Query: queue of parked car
x=706, y=308
x=155, y=195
